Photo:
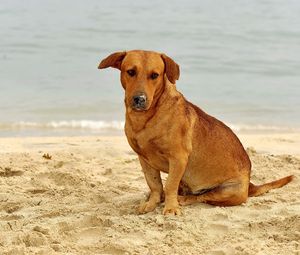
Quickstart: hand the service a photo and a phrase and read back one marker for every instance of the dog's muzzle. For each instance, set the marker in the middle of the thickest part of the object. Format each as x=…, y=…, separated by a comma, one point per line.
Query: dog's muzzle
x=139, y=102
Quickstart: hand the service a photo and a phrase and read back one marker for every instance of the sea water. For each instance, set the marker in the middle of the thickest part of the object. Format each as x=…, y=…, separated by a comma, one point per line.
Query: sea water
x=239, y=60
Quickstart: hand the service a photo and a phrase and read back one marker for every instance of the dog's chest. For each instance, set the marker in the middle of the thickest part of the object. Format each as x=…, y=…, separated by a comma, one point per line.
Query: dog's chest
x=152, y=149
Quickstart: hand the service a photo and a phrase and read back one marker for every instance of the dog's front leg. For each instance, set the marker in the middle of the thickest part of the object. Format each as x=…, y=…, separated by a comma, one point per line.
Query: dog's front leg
x=156, y=188
x=176, y=170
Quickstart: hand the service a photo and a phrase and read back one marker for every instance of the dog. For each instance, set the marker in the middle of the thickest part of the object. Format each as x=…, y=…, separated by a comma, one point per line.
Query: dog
x=204, y=159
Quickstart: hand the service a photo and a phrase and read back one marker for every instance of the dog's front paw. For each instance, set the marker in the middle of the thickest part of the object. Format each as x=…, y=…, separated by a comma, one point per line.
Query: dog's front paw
x=172, y=210
x=146, y=207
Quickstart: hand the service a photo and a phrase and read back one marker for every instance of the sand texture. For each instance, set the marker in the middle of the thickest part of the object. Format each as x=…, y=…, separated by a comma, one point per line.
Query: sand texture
x=83, y=201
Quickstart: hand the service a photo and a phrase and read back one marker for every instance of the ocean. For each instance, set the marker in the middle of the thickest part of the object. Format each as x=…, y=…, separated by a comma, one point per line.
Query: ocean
x=239, y=60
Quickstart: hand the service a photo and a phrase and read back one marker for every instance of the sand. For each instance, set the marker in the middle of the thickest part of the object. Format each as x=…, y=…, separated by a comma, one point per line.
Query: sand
x=83, y=201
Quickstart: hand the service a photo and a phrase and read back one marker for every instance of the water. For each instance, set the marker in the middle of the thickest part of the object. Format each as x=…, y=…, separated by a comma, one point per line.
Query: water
x=240, y=61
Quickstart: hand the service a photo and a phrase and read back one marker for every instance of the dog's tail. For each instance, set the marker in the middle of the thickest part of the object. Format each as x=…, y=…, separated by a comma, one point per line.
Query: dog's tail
x=256, y=190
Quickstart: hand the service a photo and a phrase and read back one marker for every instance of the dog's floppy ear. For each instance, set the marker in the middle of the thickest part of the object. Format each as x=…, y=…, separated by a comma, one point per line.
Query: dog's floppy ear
x=171, y=68
x=113, y=60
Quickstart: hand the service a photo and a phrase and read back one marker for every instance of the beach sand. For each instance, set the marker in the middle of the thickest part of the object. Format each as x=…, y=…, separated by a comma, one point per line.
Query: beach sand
x=83, y=201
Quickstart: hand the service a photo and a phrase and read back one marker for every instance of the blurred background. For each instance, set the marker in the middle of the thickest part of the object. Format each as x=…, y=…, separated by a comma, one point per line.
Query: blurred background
x=240, y=61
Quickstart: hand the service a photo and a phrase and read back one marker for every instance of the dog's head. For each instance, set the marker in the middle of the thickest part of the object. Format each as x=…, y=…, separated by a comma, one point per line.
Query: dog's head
x=142, y=75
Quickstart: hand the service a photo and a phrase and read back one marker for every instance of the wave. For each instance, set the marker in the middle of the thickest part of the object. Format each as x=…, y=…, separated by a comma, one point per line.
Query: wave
x=262, y=128
x=117, y=125
x=64, y=124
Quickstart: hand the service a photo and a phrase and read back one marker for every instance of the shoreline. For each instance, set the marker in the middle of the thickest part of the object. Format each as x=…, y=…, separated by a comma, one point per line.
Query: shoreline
x=112, y=128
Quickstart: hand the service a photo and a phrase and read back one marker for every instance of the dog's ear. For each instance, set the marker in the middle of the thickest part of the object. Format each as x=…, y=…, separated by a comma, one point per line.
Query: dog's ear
x=114, y=60
x=171, y=68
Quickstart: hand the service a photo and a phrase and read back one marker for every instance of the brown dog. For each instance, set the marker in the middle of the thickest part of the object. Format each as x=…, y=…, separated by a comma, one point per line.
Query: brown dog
x=204, y=159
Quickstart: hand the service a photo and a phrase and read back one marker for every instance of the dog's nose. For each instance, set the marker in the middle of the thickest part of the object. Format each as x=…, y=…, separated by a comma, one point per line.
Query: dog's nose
x=139, y=101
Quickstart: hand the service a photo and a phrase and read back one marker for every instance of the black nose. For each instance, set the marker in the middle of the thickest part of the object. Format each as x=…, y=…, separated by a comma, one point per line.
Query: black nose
x=139, y=101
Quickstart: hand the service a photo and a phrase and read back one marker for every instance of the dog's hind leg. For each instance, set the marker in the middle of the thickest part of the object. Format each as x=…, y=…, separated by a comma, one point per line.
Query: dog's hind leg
x=229, y=193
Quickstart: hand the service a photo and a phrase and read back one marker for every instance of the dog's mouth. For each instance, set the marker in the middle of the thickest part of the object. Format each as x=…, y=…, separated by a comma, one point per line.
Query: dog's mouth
x=138, y=109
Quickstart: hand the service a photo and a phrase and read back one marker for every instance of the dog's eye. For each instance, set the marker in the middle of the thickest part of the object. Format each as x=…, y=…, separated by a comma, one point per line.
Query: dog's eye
x=131, y=72
x=154, y=76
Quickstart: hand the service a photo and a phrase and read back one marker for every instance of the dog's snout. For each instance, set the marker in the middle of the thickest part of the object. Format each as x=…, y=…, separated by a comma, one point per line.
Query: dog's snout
x=139, y=101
